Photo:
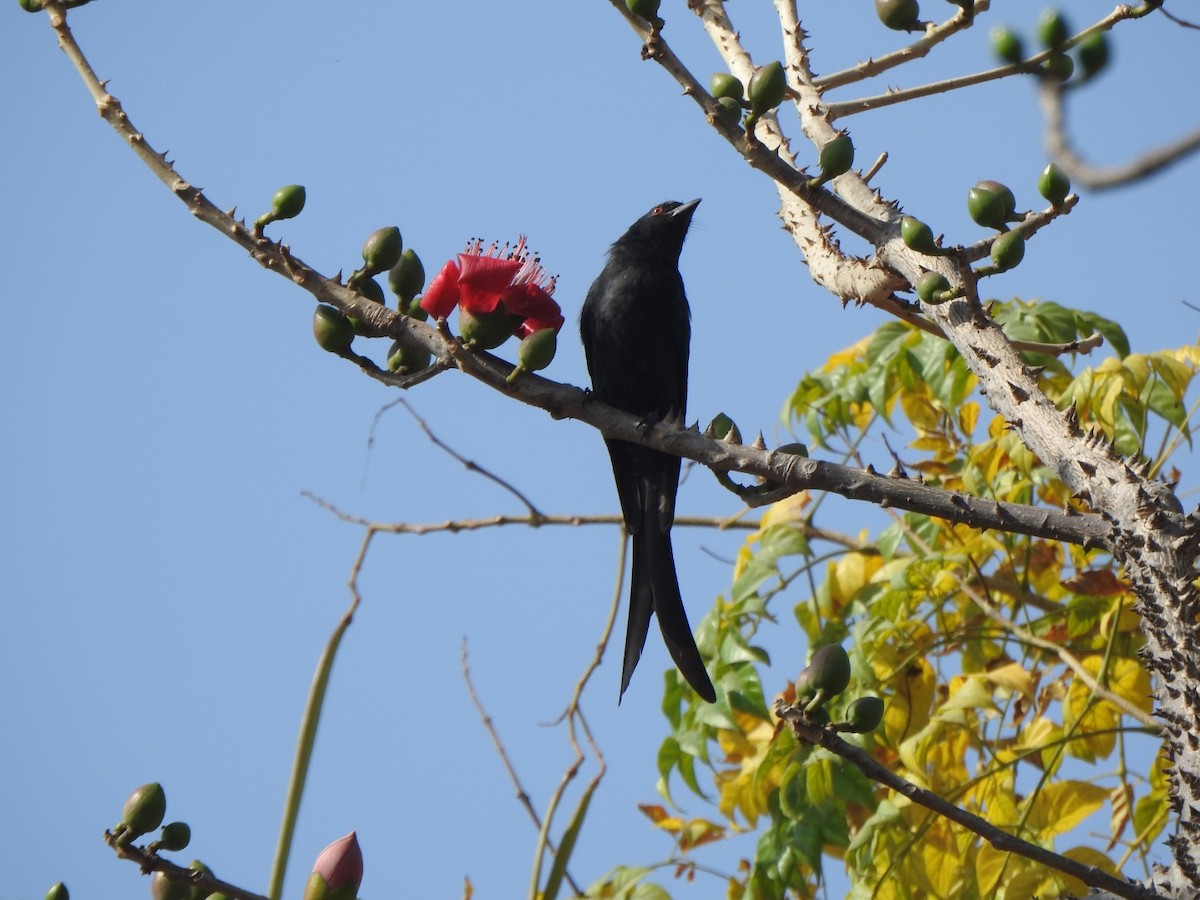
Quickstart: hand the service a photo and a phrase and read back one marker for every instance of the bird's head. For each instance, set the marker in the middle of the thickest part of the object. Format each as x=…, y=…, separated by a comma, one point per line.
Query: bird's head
x=661, y=231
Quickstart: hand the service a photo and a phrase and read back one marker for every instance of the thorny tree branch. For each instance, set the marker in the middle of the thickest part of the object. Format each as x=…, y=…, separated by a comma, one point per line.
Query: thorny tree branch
x=199, y=880
x=809, y=732
x=563, y=401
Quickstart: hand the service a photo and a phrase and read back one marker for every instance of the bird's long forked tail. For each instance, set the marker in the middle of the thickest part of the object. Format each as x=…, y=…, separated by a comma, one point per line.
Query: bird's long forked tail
x=654, y=590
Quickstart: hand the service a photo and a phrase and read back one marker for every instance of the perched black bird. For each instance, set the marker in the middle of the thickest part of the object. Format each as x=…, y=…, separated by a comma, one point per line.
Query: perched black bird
x=636, y=327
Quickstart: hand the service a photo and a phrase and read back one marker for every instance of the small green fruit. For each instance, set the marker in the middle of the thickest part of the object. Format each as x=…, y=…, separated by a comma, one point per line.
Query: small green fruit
x=864, y=714
x=1054, y=185
x=933, y=287
x=991, y=204
x=175, y=836
x=1052, y=29
x=899, y=15
x=163, y=888
x=1008, y=250
x=144, y=809
x=918, y=236
x=333, y=331
x=1060, y=67
x=1093, y=53
x=1007, y=44
x=381, y=250
x=407, y=277
x=767, y=88
x=58, y=892
x=403, y=359
x=31, y=5
x=722, y=84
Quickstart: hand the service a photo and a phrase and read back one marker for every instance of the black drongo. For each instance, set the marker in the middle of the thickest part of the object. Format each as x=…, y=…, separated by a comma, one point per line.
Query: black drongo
x=636, y=327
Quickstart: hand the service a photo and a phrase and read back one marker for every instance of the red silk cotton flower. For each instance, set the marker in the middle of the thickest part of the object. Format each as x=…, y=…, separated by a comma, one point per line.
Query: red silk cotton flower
x=498, y=280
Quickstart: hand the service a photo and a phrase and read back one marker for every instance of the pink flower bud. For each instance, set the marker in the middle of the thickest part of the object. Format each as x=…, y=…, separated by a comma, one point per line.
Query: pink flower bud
x=341, y=864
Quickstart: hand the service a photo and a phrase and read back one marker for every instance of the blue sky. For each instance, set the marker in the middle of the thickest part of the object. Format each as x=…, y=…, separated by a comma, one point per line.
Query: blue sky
x=167, y=589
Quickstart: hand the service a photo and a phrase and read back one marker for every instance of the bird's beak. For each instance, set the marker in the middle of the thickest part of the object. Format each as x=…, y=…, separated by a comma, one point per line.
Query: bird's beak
x=686, y=209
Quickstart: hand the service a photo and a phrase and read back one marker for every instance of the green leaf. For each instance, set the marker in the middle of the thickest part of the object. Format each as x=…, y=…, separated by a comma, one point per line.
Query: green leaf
x=567, y=845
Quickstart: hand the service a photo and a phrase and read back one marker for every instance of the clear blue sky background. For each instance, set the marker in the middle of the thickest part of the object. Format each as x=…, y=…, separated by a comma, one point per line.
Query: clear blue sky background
x=165, y=589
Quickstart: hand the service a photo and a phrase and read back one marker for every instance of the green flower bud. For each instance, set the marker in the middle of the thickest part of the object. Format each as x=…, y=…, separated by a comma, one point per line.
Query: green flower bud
x=1060, y=67
x=722, y=84
x=196, y=892
x=58, y=892
x=731, y=106
x=144, y=810
x=163, y=888
x=864, y=715
x=793, y=449
x=829, y=670
x=918, y=236
x=406, y=278
x=415, y=310
x=535, y=352
x=175, y=836
x=1054, y=185
x=486, y=331
x=837, y=157
x=1093, y=53
x=723, y=428
x=899, y=15
x=1052, y=29
x=1007, y=44
x=991, y=204
x=31, y=5
x=767, y=88
x=1008, y=250
x=286, y=204
x=647, y=9
x=404, y=360
x=369, y=288
x=333, y=331
x=933, y=288
x=381, y=250
x=818, y=715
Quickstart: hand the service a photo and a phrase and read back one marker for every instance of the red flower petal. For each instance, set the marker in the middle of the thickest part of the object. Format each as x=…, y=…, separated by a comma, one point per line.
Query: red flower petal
x=528, y=300
x=442, y=296
x=483, y=280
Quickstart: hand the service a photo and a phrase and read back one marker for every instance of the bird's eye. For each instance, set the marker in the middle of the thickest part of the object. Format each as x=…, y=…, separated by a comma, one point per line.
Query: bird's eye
x=658, y=210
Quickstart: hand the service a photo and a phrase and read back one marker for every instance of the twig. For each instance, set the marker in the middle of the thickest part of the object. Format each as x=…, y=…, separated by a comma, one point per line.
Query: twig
x=1099, y=178
x=203, y=882
x=808, y=732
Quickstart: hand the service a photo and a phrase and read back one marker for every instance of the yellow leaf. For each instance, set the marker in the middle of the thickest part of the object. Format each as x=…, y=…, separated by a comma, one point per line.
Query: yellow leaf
x=968, y=417
x=909, y=707
x=990, y=864
x=967, y=692
x=1059, y=807
x=1089, y=856
x=1095, y=720
x=1013, y=677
